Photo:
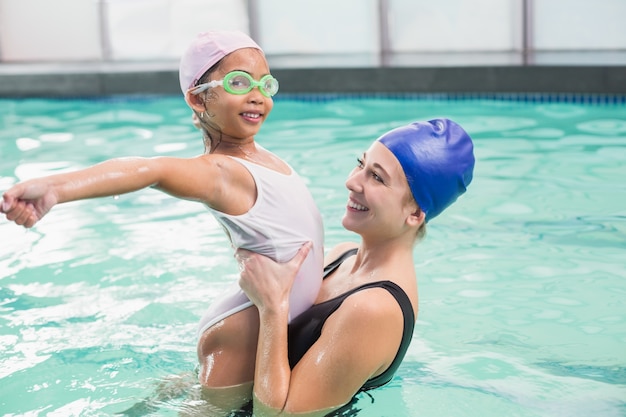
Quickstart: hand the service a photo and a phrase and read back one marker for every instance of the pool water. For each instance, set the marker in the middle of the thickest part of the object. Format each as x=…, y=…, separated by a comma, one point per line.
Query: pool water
x=522, y=281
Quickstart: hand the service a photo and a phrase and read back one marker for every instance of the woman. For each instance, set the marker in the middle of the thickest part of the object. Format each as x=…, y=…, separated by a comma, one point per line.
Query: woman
x=357, y=332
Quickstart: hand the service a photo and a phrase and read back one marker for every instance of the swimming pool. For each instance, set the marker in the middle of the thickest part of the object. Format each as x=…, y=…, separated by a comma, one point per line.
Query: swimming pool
x=522, y=282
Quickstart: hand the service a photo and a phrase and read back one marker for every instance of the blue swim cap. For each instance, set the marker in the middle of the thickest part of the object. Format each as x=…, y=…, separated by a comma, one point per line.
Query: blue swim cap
x=437, y=158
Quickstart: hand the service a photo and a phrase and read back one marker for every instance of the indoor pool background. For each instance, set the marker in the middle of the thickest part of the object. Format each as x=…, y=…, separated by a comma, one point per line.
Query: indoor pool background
x=522, y=281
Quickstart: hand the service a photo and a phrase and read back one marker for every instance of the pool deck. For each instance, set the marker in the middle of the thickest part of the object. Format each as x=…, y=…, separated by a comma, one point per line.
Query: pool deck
x=601, y=73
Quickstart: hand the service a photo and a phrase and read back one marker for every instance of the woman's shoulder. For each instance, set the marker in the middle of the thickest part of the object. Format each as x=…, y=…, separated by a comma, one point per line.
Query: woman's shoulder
x=373, y=316
x=339, y=250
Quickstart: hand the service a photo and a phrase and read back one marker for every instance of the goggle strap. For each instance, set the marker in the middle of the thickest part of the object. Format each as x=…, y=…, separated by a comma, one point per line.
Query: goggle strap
x=203, y=87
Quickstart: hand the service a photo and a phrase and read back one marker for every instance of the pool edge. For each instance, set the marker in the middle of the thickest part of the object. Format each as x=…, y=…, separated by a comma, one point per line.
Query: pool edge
x=162, y=79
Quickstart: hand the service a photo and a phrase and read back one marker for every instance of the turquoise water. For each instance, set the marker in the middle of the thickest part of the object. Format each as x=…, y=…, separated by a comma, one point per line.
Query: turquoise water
x=522, y=282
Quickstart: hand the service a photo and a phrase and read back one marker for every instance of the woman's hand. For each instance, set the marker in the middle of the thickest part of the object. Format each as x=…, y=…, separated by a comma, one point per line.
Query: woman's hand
x=26, y=203
x=268, y=283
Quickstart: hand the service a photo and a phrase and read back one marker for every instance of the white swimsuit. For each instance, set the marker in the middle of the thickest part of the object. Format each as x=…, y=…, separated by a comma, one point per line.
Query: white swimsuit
x=282, y=219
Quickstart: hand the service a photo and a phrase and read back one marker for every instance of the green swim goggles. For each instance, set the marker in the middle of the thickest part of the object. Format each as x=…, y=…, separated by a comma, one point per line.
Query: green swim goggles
x=239, y=82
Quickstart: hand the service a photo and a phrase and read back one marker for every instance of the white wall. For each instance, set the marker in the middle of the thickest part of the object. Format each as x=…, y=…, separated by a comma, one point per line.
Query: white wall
x=455, y=25
x=319, y=27
x=157, y=29
x=139, y=30
x=580, y=24
x=39, y=30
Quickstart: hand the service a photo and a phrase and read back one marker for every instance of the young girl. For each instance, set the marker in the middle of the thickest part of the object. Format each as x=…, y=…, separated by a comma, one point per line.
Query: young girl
x=262, y=204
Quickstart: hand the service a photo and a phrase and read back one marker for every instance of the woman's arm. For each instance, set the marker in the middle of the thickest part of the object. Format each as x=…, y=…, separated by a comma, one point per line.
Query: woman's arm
x=358, y=341
x=268, y=285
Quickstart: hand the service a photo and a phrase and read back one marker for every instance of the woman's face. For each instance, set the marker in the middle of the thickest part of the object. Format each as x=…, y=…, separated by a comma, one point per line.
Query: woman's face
x=379, y=199
x=238, y=116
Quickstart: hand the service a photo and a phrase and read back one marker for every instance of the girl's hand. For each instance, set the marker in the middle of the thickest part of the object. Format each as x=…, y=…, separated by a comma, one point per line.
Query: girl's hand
x=268, y=283
x=26, y=203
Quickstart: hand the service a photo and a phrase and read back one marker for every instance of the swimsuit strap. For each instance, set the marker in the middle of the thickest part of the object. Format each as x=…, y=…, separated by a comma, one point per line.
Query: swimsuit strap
x=331, y=267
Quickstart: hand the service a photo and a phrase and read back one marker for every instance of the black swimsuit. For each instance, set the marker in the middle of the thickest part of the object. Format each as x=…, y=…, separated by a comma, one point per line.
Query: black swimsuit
x=305, y=329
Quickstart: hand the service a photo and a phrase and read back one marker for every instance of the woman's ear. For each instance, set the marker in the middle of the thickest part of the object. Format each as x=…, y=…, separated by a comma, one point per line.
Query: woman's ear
x=416, y=218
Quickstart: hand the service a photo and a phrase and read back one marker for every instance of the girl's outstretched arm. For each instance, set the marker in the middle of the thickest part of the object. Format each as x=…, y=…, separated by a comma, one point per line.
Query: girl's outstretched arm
x=197, y=178
x=27, y=202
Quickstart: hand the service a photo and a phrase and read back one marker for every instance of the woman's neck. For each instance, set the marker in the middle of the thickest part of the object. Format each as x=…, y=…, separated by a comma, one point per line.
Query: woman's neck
x=378, y=253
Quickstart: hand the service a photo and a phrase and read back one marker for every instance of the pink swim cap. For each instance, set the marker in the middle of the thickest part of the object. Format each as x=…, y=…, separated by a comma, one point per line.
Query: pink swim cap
x=206, y=50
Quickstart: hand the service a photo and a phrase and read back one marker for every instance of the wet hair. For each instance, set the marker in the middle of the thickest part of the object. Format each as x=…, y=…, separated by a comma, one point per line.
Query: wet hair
x=210, y=142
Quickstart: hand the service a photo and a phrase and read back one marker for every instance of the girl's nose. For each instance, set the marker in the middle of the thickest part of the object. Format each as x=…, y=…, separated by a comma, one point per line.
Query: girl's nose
x=255, y=96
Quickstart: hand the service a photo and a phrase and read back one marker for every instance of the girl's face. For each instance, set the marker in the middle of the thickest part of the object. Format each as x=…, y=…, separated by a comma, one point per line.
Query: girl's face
x=238, y=117
x=379, y=200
